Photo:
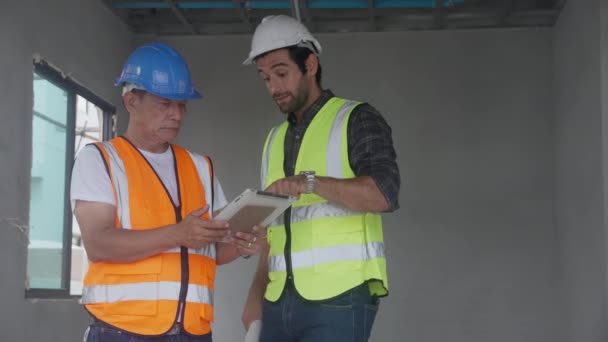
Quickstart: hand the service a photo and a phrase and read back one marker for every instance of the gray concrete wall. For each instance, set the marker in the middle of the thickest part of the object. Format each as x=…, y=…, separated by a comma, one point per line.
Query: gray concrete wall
x=473, y=251
x=86, y=40
x=604, y=96
x=580, y=176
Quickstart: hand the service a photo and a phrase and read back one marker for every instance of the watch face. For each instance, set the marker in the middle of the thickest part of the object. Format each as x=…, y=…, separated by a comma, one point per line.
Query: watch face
x=310, y=180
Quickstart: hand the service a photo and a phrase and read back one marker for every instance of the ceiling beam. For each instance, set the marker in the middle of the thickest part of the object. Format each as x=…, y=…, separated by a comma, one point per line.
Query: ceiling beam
x=244, y=17
x=372, y=15
x=180, y=15
x=121, y=15
x=438, y=15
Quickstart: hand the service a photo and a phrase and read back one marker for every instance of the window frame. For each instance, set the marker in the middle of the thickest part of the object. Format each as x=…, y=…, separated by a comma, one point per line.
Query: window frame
x=73, y=89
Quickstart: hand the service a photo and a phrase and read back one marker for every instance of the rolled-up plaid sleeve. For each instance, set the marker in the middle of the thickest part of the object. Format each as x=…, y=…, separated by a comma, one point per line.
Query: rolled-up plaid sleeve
x=371, y=152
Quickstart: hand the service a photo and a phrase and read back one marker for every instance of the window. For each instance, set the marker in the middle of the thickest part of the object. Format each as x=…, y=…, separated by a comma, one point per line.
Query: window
x=66, y=117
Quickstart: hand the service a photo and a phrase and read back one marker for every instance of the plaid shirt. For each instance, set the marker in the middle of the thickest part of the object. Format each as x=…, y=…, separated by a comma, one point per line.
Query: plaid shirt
x=370, y=146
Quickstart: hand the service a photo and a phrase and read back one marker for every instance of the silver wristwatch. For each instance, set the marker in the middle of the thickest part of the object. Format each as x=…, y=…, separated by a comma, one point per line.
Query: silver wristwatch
x=310, y=181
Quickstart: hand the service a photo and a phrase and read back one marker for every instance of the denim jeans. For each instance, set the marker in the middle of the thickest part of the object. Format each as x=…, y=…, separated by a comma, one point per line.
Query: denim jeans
x=101, y=333
x=346, y=318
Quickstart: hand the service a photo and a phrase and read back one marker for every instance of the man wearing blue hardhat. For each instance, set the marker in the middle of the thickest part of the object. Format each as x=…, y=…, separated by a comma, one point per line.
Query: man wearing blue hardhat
x=324, y=270
x=145, y=207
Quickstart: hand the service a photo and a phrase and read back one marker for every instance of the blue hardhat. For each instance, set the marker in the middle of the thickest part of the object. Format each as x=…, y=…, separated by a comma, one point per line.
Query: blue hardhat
x=160, y=70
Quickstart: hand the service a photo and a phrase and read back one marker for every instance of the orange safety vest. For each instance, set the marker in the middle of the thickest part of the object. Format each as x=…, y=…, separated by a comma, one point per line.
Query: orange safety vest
x=143, y=297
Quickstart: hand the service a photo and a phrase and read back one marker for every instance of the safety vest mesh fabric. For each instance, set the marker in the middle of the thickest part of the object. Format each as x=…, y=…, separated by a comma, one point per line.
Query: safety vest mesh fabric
x=333, y=249
x=143, y=297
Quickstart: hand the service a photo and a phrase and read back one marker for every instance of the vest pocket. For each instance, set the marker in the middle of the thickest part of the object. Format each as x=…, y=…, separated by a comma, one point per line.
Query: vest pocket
x=133, y=289
x=337, y=248
x=202, y=269
x=139, y=297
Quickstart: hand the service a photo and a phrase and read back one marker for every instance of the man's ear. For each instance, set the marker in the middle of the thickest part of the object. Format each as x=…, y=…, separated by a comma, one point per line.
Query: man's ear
x=312, y=65
x=129, y=100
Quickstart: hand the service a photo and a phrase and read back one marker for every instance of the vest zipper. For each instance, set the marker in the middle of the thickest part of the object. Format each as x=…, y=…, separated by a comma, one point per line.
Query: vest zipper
x=185, y=265
x=288, y=247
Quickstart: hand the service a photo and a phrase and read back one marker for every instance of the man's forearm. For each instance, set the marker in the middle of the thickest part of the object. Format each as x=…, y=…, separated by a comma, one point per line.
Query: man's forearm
x=226, y=253
x=123, y=245
x=360, y=193
x=260, y=279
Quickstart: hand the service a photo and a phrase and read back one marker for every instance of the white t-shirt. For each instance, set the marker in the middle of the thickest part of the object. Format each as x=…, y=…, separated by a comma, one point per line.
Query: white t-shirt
x=90, y=181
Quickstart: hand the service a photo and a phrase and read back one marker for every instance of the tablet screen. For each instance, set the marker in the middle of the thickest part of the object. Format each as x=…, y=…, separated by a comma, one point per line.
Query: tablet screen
x=242, y=219
x=252, y=208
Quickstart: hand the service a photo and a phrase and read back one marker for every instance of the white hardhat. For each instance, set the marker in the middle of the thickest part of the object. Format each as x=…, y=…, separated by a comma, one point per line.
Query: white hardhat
x=280, y=31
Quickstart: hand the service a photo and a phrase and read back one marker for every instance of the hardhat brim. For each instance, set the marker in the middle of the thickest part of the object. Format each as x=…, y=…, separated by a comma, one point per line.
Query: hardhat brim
x=249, y=60
x=195, y=95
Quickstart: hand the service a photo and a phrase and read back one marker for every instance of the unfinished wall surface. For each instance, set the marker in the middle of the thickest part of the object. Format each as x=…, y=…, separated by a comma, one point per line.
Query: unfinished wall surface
x=580, y=208
x=473, y=250
x=85, y=40
x=603, y=13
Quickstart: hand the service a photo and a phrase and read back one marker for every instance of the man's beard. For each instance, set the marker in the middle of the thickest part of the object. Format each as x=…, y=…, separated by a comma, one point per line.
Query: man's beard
x=296, y=103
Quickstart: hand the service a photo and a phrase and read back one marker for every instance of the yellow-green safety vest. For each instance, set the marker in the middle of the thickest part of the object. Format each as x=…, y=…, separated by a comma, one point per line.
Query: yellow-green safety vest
x=333, y=249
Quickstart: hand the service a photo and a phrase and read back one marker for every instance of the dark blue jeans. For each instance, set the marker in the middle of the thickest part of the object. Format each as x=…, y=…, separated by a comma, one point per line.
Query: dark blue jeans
x=347, y=318
x=100, y=333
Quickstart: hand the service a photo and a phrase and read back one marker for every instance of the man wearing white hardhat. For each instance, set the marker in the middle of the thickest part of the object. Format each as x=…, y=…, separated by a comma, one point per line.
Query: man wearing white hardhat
x=145, y=207
x=324, y=269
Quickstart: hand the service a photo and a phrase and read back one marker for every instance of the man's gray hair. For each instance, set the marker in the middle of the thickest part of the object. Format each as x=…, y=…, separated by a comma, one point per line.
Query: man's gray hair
x=127, y=87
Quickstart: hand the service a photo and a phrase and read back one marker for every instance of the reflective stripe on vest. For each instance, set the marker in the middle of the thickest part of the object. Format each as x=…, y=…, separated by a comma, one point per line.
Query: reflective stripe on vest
x=143, y=297
x=322, y=255
x=317, y=210
x=163, y=290
x=121, y=186
x=333, y=248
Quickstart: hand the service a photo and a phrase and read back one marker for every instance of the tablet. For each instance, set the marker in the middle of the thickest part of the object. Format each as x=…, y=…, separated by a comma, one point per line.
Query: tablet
x=254, y=207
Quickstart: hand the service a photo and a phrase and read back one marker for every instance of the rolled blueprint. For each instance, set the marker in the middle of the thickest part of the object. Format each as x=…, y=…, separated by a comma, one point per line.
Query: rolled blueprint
x=253, y=334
